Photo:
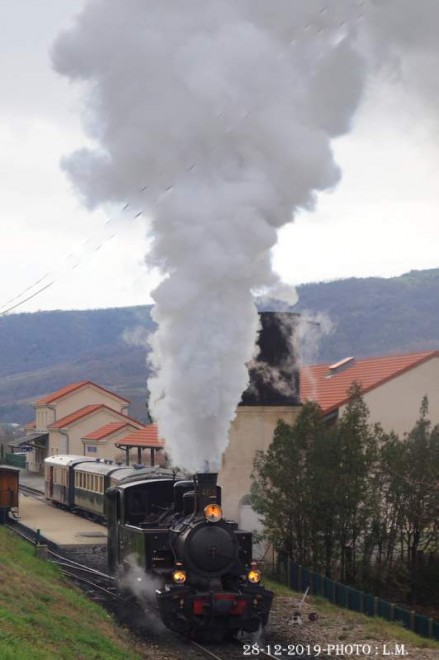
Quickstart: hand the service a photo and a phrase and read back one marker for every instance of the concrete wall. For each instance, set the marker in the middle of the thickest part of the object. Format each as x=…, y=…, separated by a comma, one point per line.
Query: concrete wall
x=252, y=429
x=396, y=404
x=44, y=416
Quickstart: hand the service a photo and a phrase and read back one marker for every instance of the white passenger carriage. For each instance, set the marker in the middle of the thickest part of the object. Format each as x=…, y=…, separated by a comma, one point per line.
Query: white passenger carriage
x=59, y=478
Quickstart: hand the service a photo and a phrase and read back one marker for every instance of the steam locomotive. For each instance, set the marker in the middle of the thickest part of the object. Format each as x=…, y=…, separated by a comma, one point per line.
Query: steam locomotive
x=174, y=528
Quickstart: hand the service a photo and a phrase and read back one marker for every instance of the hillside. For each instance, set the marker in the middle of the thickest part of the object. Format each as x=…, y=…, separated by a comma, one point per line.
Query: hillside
x=375, y=316
x=43, y=351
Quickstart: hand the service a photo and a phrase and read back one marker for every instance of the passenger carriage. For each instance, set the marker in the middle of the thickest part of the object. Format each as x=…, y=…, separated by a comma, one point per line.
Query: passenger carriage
x=59, y=478
x=91, y=480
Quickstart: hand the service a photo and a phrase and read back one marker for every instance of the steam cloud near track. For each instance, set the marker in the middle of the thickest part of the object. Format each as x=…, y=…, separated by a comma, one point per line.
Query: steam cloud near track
x=215, y=117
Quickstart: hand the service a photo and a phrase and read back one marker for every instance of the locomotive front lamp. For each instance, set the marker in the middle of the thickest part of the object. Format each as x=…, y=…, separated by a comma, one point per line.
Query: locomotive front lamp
x=254, y=576
x=213, y=512
x=179, y=576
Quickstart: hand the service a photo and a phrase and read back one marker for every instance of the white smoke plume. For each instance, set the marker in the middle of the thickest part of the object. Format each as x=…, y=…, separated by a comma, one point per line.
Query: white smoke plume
x=143, y=587
x=214, y=117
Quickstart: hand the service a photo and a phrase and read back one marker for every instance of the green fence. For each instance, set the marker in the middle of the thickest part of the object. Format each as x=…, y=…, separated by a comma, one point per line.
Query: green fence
x=18, y=460
x=300, y=578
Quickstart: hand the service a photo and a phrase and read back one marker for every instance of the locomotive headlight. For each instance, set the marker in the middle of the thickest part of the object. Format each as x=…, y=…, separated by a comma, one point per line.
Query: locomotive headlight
x=213, y=512
x=254, y=576
x=179, y=576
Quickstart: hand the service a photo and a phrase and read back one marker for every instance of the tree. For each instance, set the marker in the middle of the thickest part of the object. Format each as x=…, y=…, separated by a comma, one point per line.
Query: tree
x=419, y=479
x=281, y=483
x=355, y=495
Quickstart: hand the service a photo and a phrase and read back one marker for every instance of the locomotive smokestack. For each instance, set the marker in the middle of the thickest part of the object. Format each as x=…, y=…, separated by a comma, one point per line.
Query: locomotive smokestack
x=206, y=490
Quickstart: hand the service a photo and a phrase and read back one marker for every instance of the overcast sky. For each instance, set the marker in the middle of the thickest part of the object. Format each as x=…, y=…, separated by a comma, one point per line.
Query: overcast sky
x=380, y=221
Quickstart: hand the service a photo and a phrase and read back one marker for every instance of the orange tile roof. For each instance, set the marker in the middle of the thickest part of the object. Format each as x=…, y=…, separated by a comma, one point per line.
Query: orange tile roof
x=68, y=389
x=108, y=429
x=68, y=420
x=329, y=390
x=146, y=437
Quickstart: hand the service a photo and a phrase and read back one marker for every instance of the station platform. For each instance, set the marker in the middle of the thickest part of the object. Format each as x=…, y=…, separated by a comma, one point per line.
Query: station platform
x=60, y=527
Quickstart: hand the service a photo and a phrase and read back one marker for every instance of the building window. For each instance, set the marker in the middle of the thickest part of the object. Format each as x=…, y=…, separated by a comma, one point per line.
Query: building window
x=92, y=450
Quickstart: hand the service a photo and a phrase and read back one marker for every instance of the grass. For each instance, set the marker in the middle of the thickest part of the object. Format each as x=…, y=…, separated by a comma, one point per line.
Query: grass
x=375, y=628
x=42, y=617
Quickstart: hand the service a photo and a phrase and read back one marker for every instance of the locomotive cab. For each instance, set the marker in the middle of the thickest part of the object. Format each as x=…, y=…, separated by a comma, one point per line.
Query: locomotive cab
x=136, y=536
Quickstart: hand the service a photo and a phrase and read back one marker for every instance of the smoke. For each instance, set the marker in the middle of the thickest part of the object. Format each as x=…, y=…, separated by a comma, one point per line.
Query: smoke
x=143, y=587
x=275, y=374
x=215, y=119
x=311, y=329
x=136, y=336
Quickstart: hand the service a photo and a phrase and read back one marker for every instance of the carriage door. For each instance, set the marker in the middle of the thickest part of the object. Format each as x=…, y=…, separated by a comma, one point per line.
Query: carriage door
x=51, y=481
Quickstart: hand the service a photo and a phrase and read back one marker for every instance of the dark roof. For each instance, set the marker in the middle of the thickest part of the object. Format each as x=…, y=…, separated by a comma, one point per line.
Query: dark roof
x=28, y=439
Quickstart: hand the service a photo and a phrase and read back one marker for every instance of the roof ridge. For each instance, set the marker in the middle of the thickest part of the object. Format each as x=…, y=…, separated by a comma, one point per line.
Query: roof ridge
x=373, y=357
x=85, y=410
x=72, y=387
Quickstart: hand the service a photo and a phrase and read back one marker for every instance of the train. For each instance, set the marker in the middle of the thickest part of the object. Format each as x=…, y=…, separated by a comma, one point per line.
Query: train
x=172, y=527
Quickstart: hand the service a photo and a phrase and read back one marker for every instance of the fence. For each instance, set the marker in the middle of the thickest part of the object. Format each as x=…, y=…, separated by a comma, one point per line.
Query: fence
x=300, y=578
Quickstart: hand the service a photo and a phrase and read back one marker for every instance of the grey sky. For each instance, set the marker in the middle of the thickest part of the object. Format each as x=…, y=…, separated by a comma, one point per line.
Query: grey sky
x=381, y=220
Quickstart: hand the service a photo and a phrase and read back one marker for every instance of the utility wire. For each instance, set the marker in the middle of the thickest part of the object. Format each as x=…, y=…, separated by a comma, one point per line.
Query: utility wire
x=8, y=307
x=3, y=311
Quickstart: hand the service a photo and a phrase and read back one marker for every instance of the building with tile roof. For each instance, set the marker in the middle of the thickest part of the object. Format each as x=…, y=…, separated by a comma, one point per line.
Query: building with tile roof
x=65, y=416
x=72, y=397
x=393, y=387
x=66, y=434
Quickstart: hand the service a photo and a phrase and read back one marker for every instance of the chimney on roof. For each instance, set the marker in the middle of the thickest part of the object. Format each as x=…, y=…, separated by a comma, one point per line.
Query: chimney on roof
x=340, y=366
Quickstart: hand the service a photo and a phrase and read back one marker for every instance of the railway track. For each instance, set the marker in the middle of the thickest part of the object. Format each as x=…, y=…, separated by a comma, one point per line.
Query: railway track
x=98, y=585
x=33, y=492
x=86, y=569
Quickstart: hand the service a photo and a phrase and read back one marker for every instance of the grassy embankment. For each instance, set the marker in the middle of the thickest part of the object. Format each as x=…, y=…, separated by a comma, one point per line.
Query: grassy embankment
x=42, y=617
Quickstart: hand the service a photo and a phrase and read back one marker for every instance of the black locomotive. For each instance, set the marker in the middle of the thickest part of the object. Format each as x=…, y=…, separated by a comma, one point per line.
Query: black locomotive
x=173, y=528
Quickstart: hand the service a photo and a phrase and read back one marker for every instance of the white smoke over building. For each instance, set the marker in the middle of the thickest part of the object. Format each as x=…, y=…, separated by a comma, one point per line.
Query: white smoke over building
x=215, y=118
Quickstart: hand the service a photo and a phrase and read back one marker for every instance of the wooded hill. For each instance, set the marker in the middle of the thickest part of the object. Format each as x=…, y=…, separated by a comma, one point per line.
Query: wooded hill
x=43, y=351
